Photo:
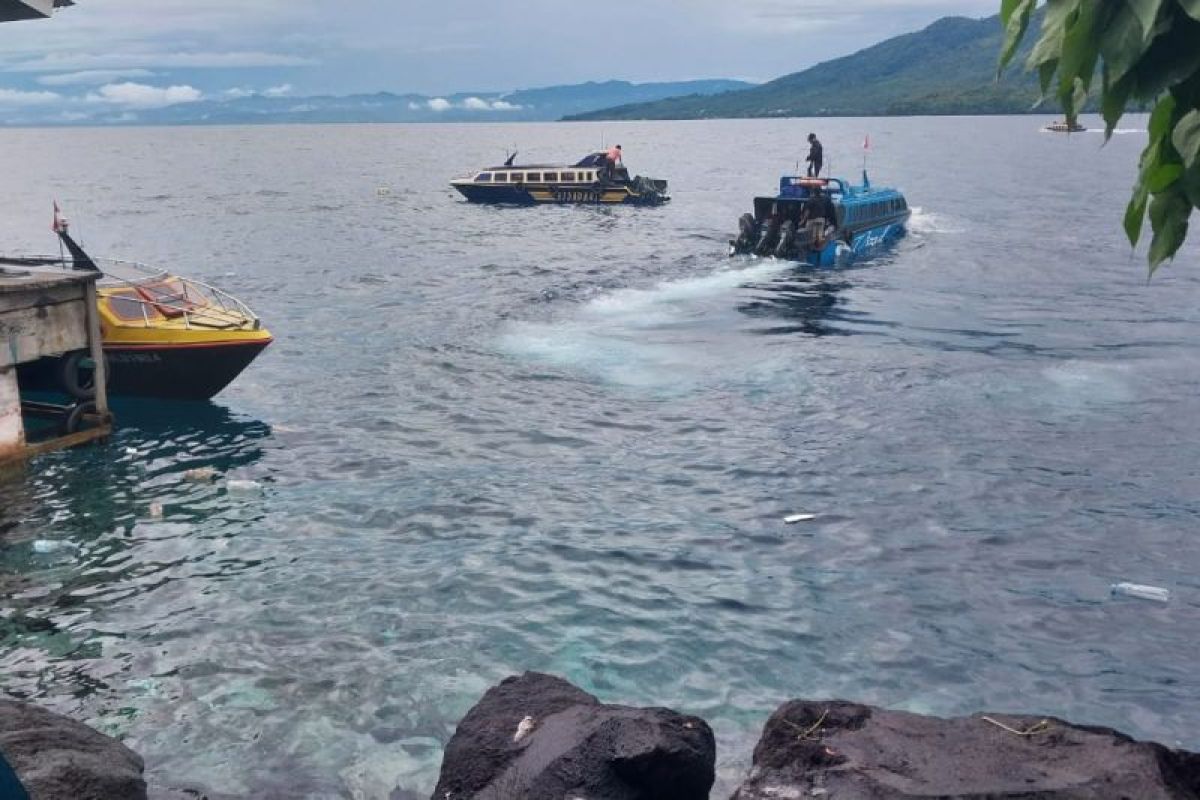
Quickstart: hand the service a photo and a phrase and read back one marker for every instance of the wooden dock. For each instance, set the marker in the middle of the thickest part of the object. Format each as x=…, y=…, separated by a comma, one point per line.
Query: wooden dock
x=48, y=312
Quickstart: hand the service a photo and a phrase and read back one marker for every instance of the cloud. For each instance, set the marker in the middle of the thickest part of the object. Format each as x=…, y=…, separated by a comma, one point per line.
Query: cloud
x=237, y=93
x=278, y=91
x=139, y=95
x=476, y=104
x=504, y=105
x=440, y=104
x=162, y=59
x=93, y=77
x=14, y=97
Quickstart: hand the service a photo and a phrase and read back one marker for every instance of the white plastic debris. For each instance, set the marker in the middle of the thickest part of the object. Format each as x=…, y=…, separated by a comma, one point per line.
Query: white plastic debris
x=794, y=518
x=1155, y=593
x=156, y=510
x=131, y=451
x=51, y=545
x=523, y=729
x=200, y=475
x=243, y=487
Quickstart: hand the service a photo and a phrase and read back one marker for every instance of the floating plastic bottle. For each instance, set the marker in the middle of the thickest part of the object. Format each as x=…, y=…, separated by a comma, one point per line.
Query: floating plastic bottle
x=1155, y=593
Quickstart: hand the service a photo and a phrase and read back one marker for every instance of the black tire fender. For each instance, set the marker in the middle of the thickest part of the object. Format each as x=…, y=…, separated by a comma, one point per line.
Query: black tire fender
x=76, y=374
x=74, y=419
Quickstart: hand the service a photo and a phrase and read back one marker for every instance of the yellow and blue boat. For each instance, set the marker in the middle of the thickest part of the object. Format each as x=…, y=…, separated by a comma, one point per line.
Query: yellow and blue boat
x=164, y=336
x=592, y=180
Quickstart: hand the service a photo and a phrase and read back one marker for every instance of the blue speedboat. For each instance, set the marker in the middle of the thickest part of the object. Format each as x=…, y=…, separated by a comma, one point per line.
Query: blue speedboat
x=824, y=222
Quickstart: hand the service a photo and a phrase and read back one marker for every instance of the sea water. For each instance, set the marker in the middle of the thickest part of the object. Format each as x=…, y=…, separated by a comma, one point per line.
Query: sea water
x=567, y=439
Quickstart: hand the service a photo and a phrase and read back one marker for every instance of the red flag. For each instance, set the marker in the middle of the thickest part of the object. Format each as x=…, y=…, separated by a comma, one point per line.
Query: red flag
x=57, y=226
x=867, y=142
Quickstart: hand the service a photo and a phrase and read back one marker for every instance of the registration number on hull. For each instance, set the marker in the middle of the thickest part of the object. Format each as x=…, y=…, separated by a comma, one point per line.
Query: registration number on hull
x=576, y=196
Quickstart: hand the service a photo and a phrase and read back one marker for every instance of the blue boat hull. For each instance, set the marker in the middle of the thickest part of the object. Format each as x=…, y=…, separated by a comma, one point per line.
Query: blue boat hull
x=864, y=244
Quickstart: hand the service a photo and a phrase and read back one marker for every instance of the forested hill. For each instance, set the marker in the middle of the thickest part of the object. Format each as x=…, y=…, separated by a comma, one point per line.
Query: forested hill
x=947, y=68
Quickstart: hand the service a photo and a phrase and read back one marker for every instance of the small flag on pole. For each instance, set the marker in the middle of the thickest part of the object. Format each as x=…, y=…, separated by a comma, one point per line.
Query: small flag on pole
x=867, y=142
x=58, y=225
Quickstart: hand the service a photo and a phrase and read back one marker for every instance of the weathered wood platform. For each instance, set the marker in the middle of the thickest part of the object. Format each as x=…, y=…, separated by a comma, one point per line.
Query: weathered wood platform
x=45, y=313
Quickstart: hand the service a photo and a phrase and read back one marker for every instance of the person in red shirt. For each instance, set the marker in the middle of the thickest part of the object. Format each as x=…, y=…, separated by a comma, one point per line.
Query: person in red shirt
x=614, y=156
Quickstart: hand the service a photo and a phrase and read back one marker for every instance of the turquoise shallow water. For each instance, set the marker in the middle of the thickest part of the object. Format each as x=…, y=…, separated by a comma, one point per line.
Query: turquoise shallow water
x=564, y=439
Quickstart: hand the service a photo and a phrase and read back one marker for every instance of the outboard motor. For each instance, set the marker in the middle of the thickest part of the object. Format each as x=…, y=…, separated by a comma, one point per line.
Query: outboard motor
x=747, y=234
x=787, y=240
x=768, y=239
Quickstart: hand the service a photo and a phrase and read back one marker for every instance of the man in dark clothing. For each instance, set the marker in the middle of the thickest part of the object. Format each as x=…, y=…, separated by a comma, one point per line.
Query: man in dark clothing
x=816, y=156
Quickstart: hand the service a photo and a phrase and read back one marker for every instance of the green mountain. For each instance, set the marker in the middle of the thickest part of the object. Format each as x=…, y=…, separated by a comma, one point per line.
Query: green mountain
x=947, y=68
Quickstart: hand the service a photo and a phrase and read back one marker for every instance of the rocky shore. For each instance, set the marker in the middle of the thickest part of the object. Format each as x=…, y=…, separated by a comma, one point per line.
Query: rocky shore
x=537, y=737
x=540, y=738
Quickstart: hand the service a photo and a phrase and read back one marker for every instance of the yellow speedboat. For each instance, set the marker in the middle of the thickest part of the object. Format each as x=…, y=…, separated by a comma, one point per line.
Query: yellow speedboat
x=164, y=335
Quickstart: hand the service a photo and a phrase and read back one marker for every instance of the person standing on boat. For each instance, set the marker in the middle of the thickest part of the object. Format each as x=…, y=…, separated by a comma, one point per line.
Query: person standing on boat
x=816, y=156
x=612, y=160
x=819, y=217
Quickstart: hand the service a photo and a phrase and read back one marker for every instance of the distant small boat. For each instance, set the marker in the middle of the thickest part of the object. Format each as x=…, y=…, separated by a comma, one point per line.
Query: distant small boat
x=589, y=181
x=1064, y=127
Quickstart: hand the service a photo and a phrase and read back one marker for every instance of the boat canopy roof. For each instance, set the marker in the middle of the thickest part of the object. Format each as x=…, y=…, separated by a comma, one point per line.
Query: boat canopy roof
x=801, y=188
x=590, y=160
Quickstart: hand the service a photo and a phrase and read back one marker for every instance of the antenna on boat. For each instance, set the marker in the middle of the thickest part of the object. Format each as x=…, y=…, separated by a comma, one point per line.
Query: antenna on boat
x=866, y=152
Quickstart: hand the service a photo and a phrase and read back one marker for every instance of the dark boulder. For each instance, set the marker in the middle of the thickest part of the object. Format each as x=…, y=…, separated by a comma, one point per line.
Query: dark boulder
x=56, y=758
x=537, y=737
x=844, y=751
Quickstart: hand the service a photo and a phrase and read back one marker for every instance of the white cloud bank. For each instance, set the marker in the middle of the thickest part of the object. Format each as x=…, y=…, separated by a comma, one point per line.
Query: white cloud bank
x=440, y=104
x=14, y=97
x=93, y=77
x=140, y=95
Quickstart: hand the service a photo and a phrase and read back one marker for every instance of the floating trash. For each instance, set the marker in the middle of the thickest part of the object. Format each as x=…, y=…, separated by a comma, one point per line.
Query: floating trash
x=523, y=729
x=200, y=475
x=131, y=451
x=51, y=546
x=243, y=487
x=156, y=510
x=383, y=191
x=1155, y=593
x=794, y=518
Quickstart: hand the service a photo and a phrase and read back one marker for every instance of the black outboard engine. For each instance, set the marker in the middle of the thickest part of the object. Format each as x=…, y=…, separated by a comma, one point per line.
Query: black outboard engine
x=769, y=237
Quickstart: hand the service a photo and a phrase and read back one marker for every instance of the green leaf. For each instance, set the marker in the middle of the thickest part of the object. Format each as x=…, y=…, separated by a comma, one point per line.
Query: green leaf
x=1160, y=118
x=1135, y=213
x=1080, y=49
x=1112, y=102
x=1054, y=28
x=1191, y=185
x=1121, y=41
x=1186, y=137
x=1191, y=8
x=1163, y=176
x=1015, y=15
x=1046, y=75
x=1169, y=214
x=1172, y=58
x=1147, y=13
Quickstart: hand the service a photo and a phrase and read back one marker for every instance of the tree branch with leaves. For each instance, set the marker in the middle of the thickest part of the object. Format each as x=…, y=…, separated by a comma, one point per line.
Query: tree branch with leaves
x=1146, y=51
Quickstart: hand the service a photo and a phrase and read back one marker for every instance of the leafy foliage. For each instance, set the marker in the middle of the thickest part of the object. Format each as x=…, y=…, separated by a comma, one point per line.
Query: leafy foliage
x=1146, y=51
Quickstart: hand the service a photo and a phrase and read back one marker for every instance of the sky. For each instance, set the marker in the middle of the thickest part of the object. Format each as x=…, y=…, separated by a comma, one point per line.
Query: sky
x=136, y=54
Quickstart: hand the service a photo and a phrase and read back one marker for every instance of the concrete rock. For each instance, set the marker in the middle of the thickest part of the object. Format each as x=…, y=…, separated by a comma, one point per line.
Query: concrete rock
x=845, y=751
x=537, y=737
x=59, y=759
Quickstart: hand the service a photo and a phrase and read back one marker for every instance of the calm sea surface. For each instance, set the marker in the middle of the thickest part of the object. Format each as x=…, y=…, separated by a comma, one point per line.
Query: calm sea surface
x=564, y=439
